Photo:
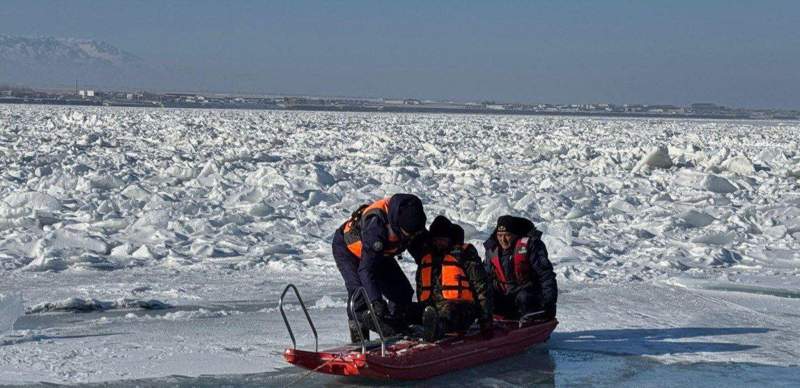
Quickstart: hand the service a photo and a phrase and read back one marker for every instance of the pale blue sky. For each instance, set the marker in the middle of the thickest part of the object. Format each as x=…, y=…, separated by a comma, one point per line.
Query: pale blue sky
x=741, y=53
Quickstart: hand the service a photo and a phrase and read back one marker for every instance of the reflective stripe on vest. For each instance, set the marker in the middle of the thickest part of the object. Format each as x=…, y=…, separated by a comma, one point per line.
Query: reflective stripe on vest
x=455, y=284
x=352, y=230
x=522, y=267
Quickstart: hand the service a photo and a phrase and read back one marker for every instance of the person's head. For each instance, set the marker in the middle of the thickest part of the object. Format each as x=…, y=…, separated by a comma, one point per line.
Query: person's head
x=457, y=234
x=441, y=234
x=504, y=237
x=410, y=217
x=509, y=229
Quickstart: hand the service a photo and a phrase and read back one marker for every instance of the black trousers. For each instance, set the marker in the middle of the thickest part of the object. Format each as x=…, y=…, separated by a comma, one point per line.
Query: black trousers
x=517, y=303
x=392, y=281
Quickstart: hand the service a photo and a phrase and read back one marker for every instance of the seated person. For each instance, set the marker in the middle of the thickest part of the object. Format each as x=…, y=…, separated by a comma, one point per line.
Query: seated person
x=452, y=284
x=523, y=278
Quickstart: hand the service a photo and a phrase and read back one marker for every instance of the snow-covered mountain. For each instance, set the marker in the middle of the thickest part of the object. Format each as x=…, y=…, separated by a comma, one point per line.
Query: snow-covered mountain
x=49, y=61
x=62, y=51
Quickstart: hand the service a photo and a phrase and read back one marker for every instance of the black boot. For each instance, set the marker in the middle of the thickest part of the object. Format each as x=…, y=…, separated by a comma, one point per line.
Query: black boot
x=354, y=337
x=369, y=324
x=430, y=324
x=401, y=320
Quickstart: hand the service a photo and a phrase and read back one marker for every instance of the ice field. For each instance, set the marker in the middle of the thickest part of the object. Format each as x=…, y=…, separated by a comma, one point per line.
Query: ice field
x=148, y=247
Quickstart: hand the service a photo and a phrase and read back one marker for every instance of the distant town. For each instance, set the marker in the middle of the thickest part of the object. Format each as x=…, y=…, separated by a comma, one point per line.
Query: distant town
x=89, y=97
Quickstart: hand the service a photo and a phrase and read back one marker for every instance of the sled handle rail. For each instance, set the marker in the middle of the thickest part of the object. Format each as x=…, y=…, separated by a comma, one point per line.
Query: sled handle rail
x=308, y=317
x=351, y=306
x=529, y=317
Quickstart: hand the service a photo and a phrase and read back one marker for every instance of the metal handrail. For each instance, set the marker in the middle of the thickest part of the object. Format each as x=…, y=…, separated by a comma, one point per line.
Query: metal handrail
x=352, y=308
x=308, y=317
x=529, y=317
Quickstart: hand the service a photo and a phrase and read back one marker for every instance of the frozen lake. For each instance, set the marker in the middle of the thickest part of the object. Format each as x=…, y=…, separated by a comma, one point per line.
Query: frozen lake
x=149, y=246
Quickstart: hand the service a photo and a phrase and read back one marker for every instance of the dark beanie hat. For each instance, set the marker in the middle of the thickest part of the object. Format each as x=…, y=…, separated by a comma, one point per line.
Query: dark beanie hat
x=457, y=234
x=440, y=227
x=516, y=225
x=411, y=216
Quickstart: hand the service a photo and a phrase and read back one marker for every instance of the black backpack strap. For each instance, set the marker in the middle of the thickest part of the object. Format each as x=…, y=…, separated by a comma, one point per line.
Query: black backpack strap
x=355, y=217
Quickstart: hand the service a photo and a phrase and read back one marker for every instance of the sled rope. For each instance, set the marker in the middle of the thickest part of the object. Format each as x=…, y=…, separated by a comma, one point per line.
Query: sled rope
x=306, y=374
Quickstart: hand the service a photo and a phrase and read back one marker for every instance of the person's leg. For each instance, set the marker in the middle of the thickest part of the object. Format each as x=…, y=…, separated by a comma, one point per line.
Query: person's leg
x=431, y=324
x=527, y=301
x=504, y=305
x=394, y=285
x=414, y=313
x=456, y=316
x=347, y=263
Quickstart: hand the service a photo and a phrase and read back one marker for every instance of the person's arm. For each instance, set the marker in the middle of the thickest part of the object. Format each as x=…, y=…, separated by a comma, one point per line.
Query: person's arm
x=418, y=247
x=480, y=282
x=543, y=269
x=488, y=246
x=373, y=239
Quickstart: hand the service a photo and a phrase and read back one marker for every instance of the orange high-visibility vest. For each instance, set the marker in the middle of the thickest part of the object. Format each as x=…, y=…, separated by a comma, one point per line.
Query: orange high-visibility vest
x=455, y=284
x=352, y=229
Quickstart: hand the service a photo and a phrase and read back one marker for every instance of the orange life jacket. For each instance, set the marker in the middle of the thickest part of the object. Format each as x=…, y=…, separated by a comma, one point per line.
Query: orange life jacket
x=352, y=228
x=455, y=284
x=522, y=267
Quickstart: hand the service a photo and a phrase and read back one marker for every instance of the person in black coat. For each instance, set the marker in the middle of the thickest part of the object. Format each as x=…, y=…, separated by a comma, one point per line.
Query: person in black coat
x=523, y=277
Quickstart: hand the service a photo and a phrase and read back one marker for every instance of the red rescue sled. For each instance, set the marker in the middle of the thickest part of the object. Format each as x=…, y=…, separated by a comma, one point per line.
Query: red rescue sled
x=413, y=360
x=404, y=359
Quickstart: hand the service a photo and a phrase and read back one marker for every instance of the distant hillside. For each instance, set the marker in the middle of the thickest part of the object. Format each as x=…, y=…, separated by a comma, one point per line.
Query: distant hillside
x=48, y=62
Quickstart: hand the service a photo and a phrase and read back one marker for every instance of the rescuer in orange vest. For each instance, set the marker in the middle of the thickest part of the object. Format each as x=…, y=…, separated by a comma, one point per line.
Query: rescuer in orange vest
x=452, y=284
x=365, y=248
x=523, y=277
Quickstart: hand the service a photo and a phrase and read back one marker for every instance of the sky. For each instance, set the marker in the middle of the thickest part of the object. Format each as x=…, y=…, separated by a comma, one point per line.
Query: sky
x=738, y=53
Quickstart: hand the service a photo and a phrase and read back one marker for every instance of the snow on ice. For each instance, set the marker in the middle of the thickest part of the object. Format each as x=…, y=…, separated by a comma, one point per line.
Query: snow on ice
x=661, y=231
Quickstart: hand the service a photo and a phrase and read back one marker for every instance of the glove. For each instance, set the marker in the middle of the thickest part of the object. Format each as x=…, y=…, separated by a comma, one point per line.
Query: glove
x=380, y=308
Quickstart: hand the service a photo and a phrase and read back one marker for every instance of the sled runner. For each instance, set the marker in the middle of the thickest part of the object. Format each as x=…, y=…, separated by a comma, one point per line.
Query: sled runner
x=410, y=358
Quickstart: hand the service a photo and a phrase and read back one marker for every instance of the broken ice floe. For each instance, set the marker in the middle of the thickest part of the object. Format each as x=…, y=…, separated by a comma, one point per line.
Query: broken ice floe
x=11, y=309
x=658, y=157
x=87, y=189
x=88, y=305
x=183, y=315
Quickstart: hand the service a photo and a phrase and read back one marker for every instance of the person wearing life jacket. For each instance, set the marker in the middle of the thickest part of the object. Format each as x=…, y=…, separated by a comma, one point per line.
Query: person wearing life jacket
x=452, y=284
x=523, y=278
x=364, y=248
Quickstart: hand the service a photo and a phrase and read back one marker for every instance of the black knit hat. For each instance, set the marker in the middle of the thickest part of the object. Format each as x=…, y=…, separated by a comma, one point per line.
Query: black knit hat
x=457, y=234
x=411, y=216
x=440, y=227
x=516, y=225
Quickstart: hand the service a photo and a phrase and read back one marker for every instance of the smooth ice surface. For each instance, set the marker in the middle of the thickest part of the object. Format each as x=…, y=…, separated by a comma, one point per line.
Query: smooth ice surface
x=149, y=243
